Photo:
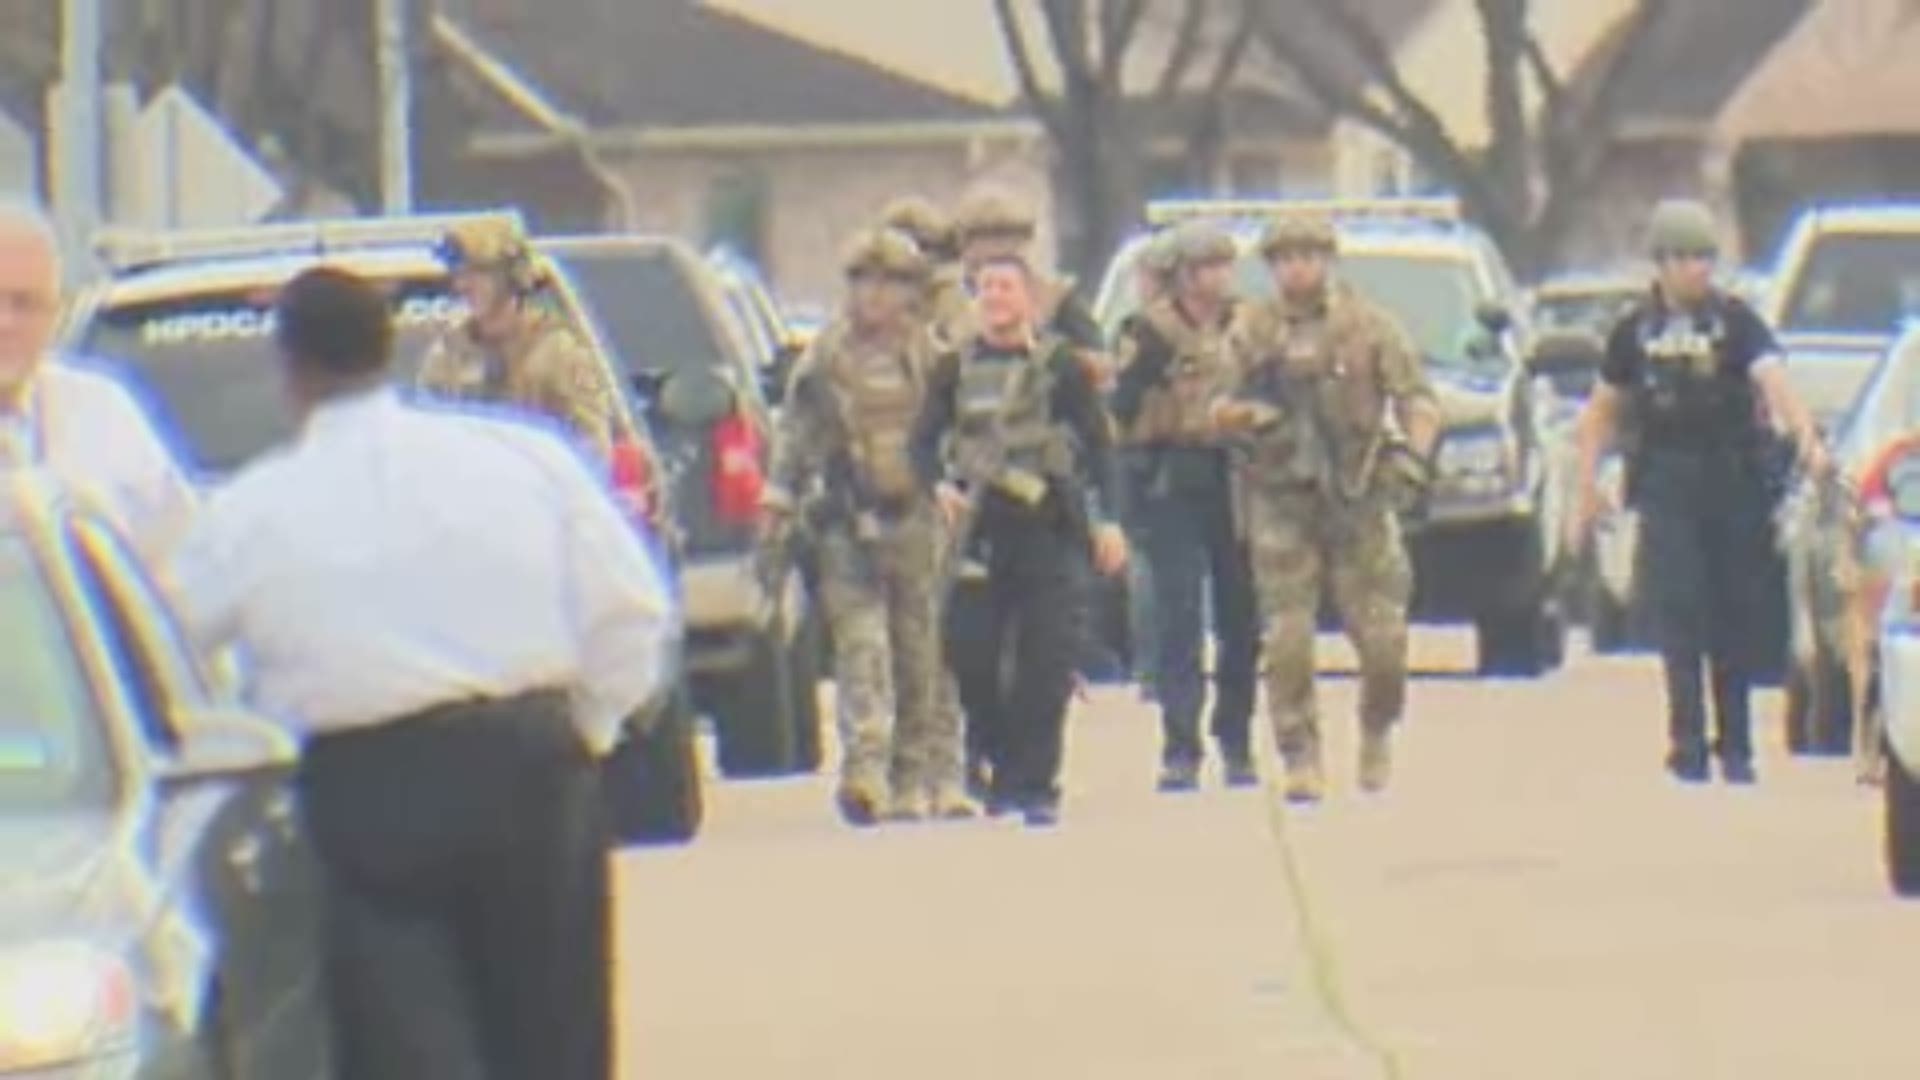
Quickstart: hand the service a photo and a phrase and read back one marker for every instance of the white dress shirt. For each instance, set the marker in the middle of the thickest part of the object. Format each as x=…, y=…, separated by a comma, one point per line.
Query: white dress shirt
x=397, y=557
x=84, y=429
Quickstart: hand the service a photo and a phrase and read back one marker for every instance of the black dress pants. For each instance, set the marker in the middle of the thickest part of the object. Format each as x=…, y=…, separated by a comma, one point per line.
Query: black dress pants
x=465, y=926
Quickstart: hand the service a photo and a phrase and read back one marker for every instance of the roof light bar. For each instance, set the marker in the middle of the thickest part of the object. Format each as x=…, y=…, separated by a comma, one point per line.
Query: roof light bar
x=124, y=249
x=1435, y=210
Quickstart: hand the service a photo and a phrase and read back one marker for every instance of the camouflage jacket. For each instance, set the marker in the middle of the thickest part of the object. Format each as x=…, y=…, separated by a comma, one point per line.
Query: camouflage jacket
x=843, y=434
x=544, y=367
x=1340, y=376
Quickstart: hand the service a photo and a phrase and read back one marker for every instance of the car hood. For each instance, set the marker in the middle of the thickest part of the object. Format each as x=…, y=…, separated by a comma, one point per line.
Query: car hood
x=1828, y=370
x=58, y=868
x=1469, y=399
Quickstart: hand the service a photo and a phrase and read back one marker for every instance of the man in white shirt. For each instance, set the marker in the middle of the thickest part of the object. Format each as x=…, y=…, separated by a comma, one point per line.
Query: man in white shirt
x=455, y=617
x=78, y=425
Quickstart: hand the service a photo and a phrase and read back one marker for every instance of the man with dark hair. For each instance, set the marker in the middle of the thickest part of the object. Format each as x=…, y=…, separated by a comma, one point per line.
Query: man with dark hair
x=454, y=618
x=1034, y=477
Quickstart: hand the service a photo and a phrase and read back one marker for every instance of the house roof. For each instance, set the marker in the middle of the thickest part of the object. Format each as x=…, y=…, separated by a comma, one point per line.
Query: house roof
x=1693, y=61
x=649, y=64
x=1847, y=71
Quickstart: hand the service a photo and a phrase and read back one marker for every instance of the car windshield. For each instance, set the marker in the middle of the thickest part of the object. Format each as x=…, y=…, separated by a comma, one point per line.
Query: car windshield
x=650, y=310
x=1595, y=311
x=1856, y=283
x=205, y=363
x=53, y=748
x=1433, y=296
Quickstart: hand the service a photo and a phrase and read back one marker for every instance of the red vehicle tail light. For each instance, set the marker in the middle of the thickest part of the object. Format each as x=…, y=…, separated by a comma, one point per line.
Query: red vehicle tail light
x=737, y=476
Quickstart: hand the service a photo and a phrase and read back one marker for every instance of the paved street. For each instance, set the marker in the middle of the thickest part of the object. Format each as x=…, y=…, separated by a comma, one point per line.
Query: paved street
x=1532, y=900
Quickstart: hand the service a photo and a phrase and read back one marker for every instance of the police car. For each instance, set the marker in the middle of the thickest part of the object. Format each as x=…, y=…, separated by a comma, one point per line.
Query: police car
x=1847, y=278
x=1897, y=548
x=187, y=318
x=1484, y=552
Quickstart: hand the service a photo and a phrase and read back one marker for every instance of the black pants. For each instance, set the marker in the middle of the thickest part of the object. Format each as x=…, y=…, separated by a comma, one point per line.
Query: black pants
x=1015, y=644
x=1704, y=531
x=466, y=918
x=1194, y=556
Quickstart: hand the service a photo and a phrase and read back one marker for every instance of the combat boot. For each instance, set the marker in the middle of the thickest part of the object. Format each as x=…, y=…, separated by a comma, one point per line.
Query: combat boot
x=859, y=803
x=1305, y=784
x=909, y=804
x=1376, y=761
x=951, y=804
x=1180, y=775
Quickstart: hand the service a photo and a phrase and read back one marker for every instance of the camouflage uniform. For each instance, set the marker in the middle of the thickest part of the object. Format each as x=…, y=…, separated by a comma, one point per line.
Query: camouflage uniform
x=1316, y=506
x=543, y=365
x=847, y=423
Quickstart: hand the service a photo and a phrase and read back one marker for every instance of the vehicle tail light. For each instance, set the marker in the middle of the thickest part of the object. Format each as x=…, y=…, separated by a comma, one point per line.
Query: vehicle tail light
x=633, y=480
x=1880, y=507
x=737, y=476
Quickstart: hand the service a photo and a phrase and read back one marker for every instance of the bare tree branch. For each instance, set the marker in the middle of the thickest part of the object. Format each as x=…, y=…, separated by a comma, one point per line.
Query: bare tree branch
x=1186, y=48
x=1234, y=54
x=1552, y=90
x=1067, y=29
x=1015, y=41
x=1119, y=20
x=1427, y=140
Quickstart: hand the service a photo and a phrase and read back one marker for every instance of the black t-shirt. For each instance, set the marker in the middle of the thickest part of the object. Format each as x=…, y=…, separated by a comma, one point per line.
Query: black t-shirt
x=1734, y=330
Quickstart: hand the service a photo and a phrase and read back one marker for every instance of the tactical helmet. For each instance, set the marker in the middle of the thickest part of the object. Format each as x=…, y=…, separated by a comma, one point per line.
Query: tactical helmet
x=1157, y=256
x=1682, y=226
x=491, y=244
x=1298, y=232
x=926, y=224
x=888, y=252
x=992, y=213
x=1196, y=242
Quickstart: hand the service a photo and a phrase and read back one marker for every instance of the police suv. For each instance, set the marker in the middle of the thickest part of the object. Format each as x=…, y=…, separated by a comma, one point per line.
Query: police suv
x=1484, y=550
x=186, y=317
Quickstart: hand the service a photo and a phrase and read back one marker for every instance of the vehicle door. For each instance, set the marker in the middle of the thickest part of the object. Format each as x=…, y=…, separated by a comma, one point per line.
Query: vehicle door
x=230, y=852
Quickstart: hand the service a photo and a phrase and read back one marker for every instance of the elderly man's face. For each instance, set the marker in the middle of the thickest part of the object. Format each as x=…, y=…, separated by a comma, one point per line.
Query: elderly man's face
x=29, y=301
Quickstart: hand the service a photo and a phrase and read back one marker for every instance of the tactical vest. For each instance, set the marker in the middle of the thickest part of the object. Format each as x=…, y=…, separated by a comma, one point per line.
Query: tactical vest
x=880, y=388
x=1320, y=369
x=1685, y=398
x=1010, y=399
x=1177, y=411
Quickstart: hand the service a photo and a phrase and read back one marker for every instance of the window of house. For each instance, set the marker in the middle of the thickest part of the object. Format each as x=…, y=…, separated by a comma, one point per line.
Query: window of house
x=737, y=214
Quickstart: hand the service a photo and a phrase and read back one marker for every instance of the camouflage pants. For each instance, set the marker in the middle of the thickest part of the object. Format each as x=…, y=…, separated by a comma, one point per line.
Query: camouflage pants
x=1300, y=544
x=880, y=597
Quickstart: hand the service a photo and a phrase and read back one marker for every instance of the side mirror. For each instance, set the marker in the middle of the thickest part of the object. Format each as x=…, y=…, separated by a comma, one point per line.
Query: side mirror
x=1495, y=317
x=225, y=745
x=696, y=397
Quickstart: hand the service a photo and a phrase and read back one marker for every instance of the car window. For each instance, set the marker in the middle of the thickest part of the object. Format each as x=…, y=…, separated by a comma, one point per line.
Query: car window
x=1595, y=311
x=54, y=749
x=1855, y=283
x=1888, y=405
x=652, y=311
x=205, y=363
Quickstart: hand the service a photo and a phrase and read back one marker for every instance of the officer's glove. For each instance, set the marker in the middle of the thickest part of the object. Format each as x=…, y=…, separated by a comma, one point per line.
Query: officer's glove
x=1407, y=478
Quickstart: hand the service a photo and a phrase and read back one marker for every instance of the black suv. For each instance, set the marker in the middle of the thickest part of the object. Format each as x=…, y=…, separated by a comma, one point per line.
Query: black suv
x=755, y=659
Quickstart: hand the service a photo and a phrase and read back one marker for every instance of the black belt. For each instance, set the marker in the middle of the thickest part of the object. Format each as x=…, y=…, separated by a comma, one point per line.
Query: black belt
x=445, y=715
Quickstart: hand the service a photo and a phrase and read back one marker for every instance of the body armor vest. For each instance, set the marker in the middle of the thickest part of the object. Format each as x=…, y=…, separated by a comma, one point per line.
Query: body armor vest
x=1177, y=411
x=880, y=386
x=1685, y=398
x=1009, y=399
x=1319, y=368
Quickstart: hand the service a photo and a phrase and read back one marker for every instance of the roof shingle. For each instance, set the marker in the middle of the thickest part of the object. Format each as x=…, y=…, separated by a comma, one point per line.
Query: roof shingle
x=669, y=64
